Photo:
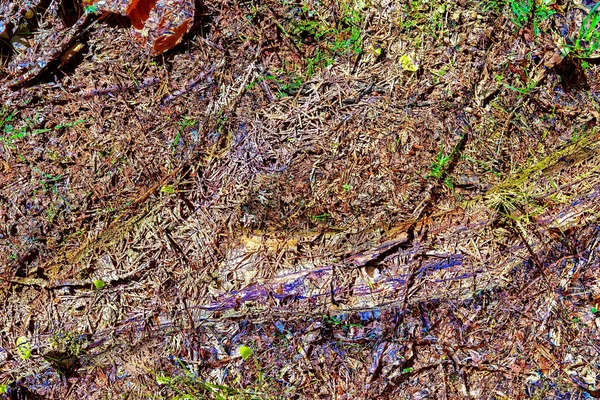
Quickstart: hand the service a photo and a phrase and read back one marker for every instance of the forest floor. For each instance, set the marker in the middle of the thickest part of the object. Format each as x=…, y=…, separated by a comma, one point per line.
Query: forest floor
x=321, y=199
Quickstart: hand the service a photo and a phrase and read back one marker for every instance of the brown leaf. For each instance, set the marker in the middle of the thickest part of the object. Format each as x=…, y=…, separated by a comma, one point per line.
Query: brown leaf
x=552, y=59
x=168, y=22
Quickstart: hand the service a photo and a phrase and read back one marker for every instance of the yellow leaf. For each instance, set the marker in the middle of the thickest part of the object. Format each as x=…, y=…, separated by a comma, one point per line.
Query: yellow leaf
x=408, y=63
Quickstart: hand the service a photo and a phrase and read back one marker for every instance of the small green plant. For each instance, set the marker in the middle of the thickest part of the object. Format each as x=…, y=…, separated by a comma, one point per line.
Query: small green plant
x=51, y=213
x=10, y=132
x=408, y=63
x=167, y=189
x=439, y=164
x=23, y=347
x=491, y=5
x=320, y=217
x=189, y=386
x=99, y=284
x=346, y=187
x=267, y=77
x=588, y=37
x=47, y=179
x=521, y=12
x=534, y=11
x=426, y=17
x=92, y=9
x=439, y=167
x=187, y=122
x=442, y=71
x=529, y=86
x=349, y=27
x=291, y=87
x=318, y=61
x=245, y=352
x=335, y=320
x=323, y=35
x=529, y=82
x=68, y=342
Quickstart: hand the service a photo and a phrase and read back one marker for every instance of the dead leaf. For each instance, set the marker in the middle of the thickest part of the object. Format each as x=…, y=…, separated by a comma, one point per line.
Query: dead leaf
x=552, y=59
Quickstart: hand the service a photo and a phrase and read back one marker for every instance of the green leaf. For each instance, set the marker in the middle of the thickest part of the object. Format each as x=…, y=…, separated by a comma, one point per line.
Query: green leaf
x=91, y=9
x=408, y=63
x=167, y=189
x=245, y=352
x=163, y=380
x=99, y=284
x=23, y=347
x=320, y=217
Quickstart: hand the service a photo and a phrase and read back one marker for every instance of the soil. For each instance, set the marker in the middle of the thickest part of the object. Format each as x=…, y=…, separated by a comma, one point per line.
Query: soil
x=337, y=199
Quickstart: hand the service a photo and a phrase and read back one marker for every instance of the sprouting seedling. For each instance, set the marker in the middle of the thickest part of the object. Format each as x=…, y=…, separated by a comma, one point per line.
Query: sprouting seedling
x=163, y=379
x=438, y=166
x=99, y=284
x=529, y=10
x=320, y=217
x=167, y=189
x=589, y=34
x=245, y=352
x=92, y=9
x=521, y=12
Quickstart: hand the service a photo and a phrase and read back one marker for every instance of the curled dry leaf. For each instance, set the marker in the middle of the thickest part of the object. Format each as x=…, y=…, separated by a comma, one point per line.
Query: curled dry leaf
x=552, y=58
x=158, y=25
